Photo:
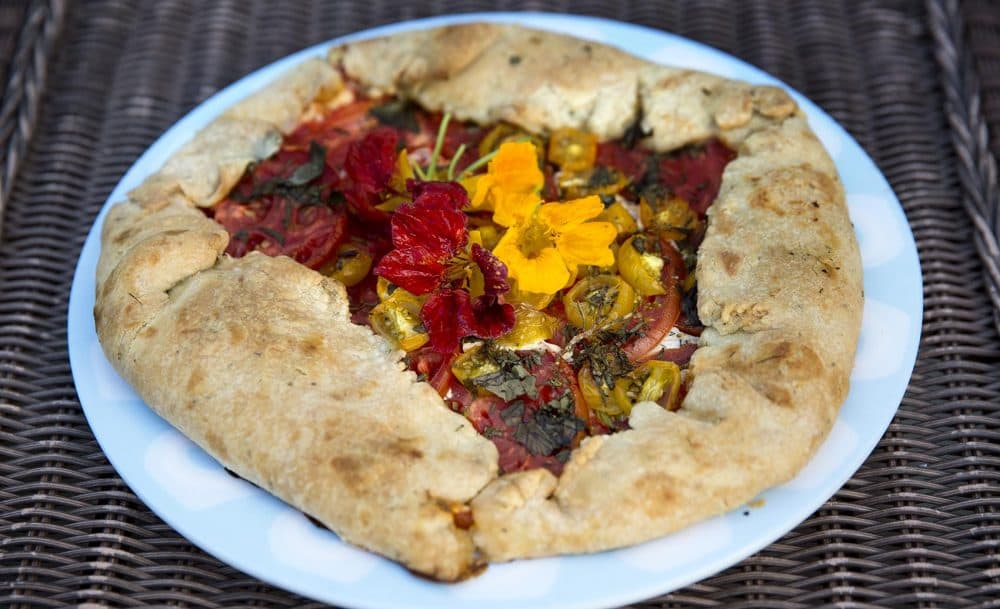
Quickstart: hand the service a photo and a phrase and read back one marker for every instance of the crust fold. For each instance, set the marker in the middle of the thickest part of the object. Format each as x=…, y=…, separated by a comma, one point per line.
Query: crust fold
x=256, y=360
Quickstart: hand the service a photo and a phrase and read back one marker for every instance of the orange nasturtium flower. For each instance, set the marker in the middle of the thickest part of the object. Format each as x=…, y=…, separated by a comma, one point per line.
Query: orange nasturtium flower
x=544, y=249
x=510, y=185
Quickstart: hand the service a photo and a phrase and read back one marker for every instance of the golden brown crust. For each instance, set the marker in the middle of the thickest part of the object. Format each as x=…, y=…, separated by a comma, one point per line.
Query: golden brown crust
x=779, y=291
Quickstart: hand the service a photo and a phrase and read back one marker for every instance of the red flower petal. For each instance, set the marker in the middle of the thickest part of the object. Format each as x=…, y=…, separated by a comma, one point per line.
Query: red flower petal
x=363, y=203
x=494, y=271
x=448, y=317
x=371, y=162
x=451, y=192
x=430, y=223
x=492, y=318
x=415, y=269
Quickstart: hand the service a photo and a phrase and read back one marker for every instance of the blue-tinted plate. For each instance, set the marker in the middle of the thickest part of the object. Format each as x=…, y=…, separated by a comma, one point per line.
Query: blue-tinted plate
x=260, y=535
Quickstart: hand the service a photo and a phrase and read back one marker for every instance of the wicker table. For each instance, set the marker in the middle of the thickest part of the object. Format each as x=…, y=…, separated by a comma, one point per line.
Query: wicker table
x=90, y=86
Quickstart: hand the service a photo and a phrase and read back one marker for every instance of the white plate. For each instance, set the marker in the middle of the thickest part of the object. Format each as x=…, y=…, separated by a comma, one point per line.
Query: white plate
x=262, y=536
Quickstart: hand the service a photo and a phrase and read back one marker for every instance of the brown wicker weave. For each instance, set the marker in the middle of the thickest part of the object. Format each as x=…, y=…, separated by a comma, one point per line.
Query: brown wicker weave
x=917, y=526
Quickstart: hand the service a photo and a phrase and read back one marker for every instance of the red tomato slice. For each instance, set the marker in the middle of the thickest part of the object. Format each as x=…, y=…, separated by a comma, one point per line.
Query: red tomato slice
x=660, y=313
x=696, y=177
x=680, y=356
x=346, y=123
x=278, y=226
x=553, y=377
x=631, y=162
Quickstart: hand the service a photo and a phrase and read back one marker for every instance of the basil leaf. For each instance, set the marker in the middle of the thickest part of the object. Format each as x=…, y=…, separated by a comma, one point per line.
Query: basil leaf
x=311, y=169
x=547, y=432
x=507, y=386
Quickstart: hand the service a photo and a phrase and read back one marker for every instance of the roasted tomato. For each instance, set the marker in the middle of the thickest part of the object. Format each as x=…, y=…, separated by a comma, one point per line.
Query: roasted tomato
x=641, y=265
x=530, y=326
x=598, y=180
x=619, y=216
x=397, y=319
x=659, y=313
x=350, y=266
x=695, y=174
x=669, y=215
x=572, y=150
x=653, y=381
x=598, y=300
x=528, y=403
x=280, y=226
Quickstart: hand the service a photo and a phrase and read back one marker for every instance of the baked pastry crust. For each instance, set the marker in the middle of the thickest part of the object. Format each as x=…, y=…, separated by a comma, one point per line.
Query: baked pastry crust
x=257, y=361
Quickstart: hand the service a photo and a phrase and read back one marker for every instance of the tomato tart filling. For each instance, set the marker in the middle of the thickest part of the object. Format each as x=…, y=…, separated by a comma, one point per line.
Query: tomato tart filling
x=543, y=285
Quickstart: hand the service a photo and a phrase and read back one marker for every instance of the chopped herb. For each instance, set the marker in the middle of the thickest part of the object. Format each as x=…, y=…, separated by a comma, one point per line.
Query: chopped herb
x=514, y=60
x=513, y=414
x=601, y=176
x=297, y=186
x=553, y=427
x=512, y=378
x=398, y=113
x=603, y=351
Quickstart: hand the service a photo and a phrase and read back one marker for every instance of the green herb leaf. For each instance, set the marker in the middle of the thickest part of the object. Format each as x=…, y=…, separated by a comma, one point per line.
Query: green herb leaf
x=603, y=351
x=512, y=378
x=297, y=186
x=397, y=113
x=311, y=169
x=548, y=431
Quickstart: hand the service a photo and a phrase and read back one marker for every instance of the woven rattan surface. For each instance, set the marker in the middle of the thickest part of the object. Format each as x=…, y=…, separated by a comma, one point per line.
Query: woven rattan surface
x=917, y=526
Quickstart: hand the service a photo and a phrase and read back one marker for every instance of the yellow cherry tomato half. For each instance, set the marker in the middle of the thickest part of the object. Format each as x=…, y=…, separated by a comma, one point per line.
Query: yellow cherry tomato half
x=472, y=364
x=597, y=300
x=572, y=150
x=397, y=319
x=619, y=216
x=640, y=265
x=598, y=400
x=598, y=180
x=653, y=381
x=530, y=326
x=668, y=215
x=350, y=266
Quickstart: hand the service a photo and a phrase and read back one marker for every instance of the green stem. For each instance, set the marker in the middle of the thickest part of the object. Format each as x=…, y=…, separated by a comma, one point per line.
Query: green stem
x=454, y=162
x=486, y=158
x=438, y=143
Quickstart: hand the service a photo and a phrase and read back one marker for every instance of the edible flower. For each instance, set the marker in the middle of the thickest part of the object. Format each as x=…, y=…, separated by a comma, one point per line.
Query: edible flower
x=544, y=249
x=511, y=183
x=432, y=255
x=371, y=164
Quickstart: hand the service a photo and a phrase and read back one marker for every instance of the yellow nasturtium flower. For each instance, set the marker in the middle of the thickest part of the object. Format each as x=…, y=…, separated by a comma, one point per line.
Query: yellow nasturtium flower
x=543, y=249
x=510, y=185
